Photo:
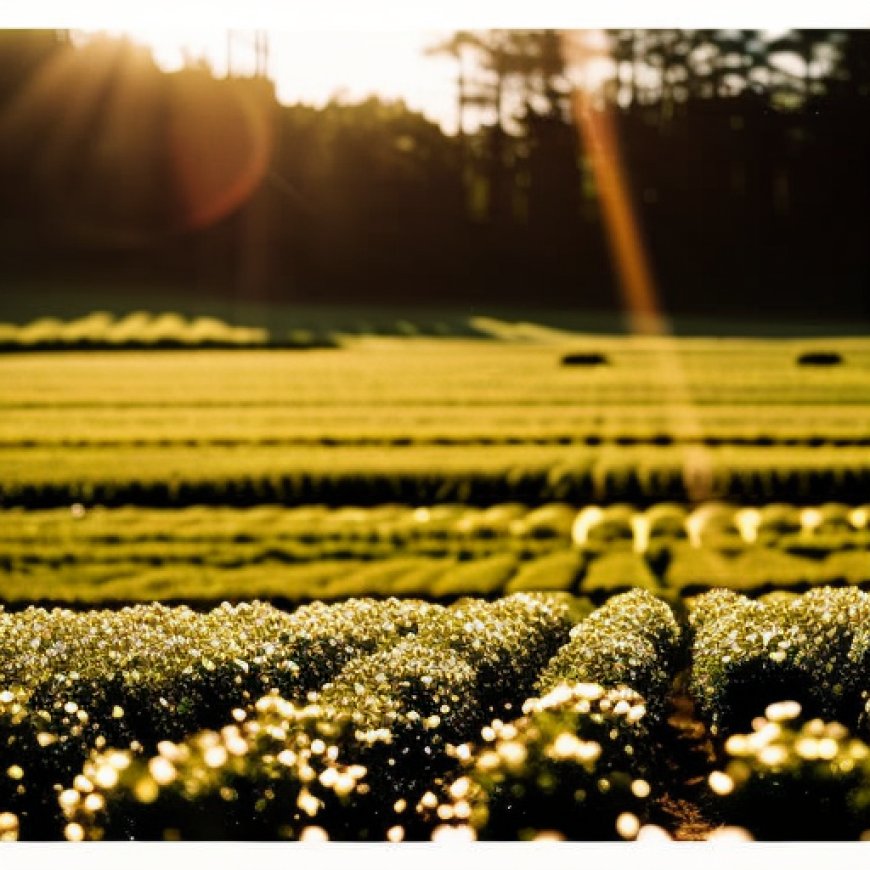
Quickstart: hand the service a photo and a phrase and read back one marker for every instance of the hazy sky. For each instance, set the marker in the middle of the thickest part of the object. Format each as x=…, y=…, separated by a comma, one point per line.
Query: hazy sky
x=313, y=66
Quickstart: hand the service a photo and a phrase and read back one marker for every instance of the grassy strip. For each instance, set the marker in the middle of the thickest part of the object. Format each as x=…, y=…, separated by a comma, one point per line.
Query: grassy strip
x=368, y=475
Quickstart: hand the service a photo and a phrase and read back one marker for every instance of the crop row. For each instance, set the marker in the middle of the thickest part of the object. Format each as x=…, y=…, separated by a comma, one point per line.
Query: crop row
x=670, y=377
x=401, y=694
x=812, y=648
x=136, y=677
x=102, y=331
x=296, y=554
x=723, y=527
x=406, y=720
x=256, y=474
x=802, y=769
x=597, y=576
x=92, y=421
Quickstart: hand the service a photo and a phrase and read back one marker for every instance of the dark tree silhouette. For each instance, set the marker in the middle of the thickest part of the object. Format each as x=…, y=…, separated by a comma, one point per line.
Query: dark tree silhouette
x=746, y=156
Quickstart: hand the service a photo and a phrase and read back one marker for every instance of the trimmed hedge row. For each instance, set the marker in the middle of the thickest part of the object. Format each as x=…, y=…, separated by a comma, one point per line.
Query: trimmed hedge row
x=787, y=780
x=410, y=720
x=201, y=554
x=810, y=648
x=843, y=475
x=466, y=664
x=84, y=682
x=634, y=640
x=100, y=330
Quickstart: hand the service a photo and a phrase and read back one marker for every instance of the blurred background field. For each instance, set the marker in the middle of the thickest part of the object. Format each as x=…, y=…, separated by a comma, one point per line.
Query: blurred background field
x=435, y=467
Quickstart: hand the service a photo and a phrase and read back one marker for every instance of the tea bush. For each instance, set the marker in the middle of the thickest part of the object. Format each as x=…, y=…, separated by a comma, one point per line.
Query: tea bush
x=571, y=767
x=747, y=654
x=790, y=781
x=633, y=640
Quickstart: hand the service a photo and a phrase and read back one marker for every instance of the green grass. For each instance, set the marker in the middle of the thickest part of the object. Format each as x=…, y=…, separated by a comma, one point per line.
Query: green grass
x=427, y=420
x=246, y=434
x=209, y=554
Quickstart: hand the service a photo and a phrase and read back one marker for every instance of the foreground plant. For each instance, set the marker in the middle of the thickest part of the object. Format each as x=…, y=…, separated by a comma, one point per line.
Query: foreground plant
x=787, y=780
x=271, y=776
x=633, y=640
x=748, y=653
x=572, y=767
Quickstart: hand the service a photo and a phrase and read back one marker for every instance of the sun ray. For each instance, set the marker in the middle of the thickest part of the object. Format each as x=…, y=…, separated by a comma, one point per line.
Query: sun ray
x=641, y=300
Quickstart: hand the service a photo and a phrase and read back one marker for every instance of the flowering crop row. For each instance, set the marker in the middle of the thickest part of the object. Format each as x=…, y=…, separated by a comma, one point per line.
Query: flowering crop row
x=812, y=648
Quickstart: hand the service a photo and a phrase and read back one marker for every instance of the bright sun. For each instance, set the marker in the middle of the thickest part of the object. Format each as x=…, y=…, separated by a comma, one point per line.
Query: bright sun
x=315, y=66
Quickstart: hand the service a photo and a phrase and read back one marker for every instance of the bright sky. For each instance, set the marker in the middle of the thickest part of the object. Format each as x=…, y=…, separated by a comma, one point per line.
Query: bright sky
x=359, y=47
x=313, y=66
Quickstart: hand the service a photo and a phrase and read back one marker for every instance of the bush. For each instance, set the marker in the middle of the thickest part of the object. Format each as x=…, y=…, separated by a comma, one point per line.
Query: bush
x=409, y=677
x=694, y=569
x=41, y=748
x=571, y=767
x=478, y=577
x=548, y=522
x=633, y=640
x=618, y=572
x=596, y=528
x=406, y=703
x=269, y=776
x=714, y=525
x=747, y=654
x=666, y=521
x=558, y=571
x=791, y=781
x=507, y=642
x=171, y=671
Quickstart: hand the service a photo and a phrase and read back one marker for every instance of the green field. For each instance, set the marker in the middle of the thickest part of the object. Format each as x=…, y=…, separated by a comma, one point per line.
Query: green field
x=412, y=587
x=199, y=476
x=424, y=420
x=210, y=554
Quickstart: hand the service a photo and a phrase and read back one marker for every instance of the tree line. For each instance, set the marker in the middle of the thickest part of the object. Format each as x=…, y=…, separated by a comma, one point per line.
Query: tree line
x=745, y=152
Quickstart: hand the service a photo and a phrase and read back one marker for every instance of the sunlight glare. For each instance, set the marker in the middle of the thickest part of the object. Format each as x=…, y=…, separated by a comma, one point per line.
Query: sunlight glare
x=314, y=67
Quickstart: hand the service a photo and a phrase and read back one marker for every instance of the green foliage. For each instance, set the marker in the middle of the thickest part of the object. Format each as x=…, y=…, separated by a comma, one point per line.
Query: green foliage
x=694, y=569
x=215, y=427
x=408, y=702
x=401, y=681
x=633, y=640
x=747, y=654
x=790, y=781
x=557, y=572
x=137, y=330
x=268, y=776
x=618, y=572
x=506, y=642
x=478, y=577
x=666, y=521
x=571, y=767
x=214, y=553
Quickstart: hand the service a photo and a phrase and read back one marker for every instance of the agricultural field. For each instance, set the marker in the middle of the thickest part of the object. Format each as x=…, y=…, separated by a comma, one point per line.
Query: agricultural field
x=210, y=554
x=534, y=716
x=420, y=421
x=504, y=583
